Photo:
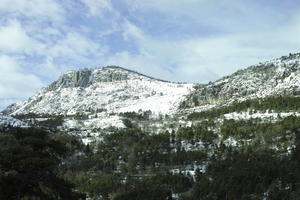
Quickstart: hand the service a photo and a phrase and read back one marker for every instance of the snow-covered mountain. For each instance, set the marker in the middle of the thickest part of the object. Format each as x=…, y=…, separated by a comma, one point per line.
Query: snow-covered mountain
x=94, y=98
x=276, y=77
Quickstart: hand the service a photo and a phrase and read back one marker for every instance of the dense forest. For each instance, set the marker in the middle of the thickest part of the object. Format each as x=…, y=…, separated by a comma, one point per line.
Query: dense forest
x=192, y=162
x=30, y=165
x=272, y=103
x=212, y=158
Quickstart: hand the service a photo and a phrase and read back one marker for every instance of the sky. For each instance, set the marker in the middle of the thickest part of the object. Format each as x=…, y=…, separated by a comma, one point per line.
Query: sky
x=177, y=40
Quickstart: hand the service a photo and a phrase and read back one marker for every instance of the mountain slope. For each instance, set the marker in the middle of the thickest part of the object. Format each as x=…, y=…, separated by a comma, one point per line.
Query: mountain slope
x=93, y=99
x=277, y=77
x=112, y=88
x=97, y=97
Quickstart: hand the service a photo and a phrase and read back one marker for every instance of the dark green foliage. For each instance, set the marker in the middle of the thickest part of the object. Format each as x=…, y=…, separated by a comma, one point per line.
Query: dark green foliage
x=43, y=120
x=52, y=122
x=126, y=165
x=248, y=175
x=128, y=123
x=137, y=116
x=101, y=185
x=201, y=132
x=160, y=186
x=132, y=164
x=270, y=132
x=244, y=129
x=29, y=161
x=275, y=103
x=80, y=116
x=131, y=150
x=252, y=172
x=28, y=115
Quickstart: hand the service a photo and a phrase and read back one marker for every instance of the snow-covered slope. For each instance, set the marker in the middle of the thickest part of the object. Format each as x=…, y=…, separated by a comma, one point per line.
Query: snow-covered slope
x=279, y=76
x=93, y=99
x=8, y=121
x=99, y=95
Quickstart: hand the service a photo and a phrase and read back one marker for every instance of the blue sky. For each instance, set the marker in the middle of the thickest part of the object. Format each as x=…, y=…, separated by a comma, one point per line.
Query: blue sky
x=176, y=40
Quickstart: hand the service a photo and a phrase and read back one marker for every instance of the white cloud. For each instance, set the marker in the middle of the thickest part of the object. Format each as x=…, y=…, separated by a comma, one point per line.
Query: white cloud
x=76, y=47
x=98, y=7
x=168, y=6
x=14, y=39
x=37, y=9
x=14, y=83
x=230, y=15
x=52, y=36
x=161, y=58
x=141, y=63
x=131, y=31
x=68, y=52
x=199, y=59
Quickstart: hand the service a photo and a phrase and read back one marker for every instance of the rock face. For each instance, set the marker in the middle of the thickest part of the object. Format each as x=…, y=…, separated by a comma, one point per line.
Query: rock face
x=276, y=77
x=72, y=79
x=86, y=77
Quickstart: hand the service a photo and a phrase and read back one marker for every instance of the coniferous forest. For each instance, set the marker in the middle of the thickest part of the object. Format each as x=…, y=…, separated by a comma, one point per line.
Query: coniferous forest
x=132, y=164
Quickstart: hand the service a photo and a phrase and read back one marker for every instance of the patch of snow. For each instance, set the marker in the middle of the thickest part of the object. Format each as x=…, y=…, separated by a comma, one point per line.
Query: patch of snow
x=8, y=121
x=258, y=115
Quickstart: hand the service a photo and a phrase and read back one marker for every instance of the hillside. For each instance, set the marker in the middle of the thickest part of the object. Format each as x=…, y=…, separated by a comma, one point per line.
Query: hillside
x=111, y=89
x=276, y=77
x=131, y=136
x=90, y=100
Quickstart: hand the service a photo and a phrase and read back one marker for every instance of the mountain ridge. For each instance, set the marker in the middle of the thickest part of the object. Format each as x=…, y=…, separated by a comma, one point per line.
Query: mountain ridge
x=100, y=96
x=85, y=77
x=105, y=78
x=94, y=99
x=275, y=77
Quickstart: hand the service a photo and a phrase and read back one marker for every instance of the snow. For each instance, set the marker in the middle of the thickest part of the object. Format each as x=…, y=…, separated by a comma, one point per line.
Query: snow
x=276, y=77
x=95, y=123
x=102, y=94
x=6, y=121
x=104, y=98
x=259, y=115
x=187, y=146
x=230, y=141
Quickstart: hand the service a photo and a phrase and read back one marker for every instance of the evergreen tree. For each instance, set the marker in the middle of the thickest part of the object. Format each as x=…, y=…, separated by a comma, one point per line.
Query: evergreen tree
x=29, y=160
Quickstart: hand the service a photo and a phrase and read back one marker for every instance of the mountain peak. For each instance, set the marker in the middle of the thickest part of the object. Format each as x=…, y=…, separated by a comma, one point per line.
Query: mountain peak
x=86, y=77
x=110, y=89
